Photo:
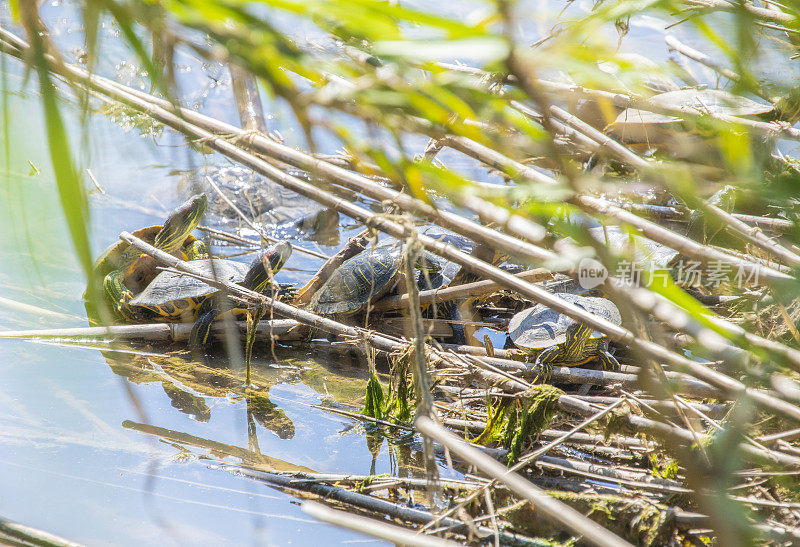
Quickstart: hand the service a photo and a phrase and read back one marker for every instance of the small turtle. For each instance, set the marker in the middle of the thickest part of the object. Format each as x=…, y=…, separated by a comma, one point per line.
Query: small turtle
x=447, y=271
x=645, y=251
x=599, y=113
x=172, y=296
x=267, y=203
x=125, y=270
x=563, y=340
x=651, y=129
x=362, y=279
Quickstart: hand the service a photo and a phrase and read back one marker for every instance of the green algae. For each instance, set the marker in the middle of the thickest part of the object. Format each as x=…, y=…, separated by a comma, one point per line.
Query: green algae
x=638, y=521
x=397, y=406
x=513, y=422
x=374, y=405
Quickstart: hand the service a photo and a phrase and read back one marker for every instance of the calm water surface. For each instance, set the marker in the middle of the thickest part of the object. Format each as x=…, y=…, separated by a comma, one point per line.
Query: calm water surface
x=75, y=456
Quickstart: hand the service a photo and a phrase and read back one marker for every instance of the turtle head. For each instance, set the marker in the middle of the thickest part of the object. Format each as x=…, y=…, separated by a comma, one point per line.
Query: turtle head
x=266, y=264
x=117, y=294
x=180, y=223
x=277, y=255
x=578, y=333
x=429, y=263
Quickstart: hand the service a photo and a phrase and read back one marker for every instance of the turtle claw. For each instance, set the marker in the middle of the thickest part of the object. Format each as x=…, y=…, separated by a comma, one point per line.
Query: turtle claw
x=544, y=374
x=608, y=361
x=286, y=292
x=545, y=362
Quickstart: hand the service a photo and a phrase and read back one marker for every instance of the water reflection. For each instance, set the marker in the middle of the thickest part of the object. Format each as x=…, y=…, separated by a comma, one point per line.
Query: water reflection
x=249, y=456
x=196, y=387
x=191, y=384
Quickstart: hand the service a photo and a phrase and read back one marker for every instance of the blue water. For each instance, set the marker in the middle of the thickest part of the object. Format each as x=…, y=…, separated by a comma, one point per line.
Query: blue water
x=67, y=464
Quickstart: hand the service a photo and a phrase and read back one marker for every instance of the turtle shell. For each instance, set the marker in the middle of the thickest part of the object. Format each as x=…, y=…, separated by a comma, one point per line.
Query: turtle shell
x=540, y=327
x=634, y=126
x=360, y=279
x=446, y=269
x=645, y=250
x=170, y=287
x=270, y=203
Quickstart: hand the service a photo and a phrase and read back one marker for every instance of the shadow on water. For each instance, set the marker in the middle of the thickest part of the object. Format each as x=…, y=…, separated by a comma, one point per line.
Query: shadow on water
x=188, y=383
x=195, y=388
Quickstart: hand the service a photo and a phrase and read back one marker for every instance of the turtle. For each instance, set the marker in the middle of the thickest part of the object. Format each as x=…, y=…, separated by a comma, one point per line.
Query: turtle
x=455, y=311
x=362, y=279
x=125, y=270
x=447, y=271
x=599, y=113
x=358, y=281
x=172, y=296
x=645, y=250
x=646, y=129
x=561, y=339
x=264, y=201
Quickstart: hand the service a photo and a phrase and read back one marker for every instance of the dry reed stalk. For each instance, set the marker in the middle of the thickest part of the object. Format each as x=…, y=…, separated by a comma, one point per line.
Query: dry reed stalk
x=559, y=512
x=283, y=329
x=371, y=527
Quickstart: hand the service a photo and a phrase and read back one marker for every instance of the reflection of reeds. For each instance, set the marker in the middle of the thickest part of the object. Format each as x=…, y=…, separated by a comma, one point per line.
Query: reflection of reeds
x=16, y=533
x=500, y=115
x=304, y=482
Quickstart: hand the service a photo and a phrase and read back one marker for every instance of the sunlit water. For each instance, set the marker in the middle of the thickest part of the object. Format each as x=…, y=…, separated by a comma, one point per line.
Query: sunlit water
x=75, y=459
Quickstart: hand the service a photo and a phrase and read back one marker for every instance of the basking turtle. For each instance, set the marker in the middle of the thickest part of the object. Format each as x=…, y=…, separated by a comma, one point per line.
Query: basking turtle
x=678, y=134
x=362, y=279
x=564, y=341
x=447, y=271
x=645, y=251
x=264, y=201
x=303, y=217
x=358, y=281
x=599, y=113
x=172, y=296
x=460, y=312
x=125, y=270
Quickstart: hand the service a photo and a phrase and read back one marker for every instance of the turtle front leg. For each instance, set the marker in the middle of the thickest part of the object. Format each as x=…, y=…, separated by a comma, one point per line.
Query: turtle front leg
x=196, y=249
x=608, y=361
x=200, y=336
x=284, y=292
x=118, y=295
x=210, y=310
x=545, y=362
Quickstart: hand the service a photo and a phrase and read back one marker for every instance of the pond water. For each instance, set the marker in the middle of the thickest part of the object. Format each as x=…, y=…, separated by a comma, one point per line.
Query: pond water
x=117, y=447
x=120, y=447
x=71, y=459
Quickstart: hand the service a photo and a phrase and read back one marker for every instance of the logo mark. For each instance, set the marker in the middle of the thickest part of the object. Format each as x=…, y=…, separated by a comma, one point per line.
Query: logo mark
x=591, y=273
